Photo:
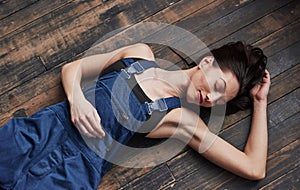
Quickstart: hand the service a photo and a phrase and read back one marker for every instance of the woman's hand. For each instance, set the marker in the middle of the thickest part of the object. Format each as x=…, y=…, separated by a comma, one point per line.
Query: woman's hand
x=260, y=91
x=86, y=119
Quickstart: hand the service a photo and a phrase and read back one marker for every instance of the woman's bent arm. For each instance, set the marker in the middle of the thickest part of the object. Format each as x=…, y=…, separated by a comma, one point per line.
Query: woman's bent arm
x=74, y=74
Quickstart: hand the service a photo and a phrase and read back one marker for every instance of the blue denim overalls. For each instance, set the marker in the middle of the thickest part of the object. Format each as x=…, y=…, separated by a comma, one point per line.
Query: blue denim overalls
x=45, y=151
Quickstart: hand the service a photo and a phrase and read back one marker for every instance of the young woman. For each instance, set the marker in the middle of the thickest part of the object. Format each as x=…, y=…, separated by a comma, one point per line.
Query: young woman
x=68, y=145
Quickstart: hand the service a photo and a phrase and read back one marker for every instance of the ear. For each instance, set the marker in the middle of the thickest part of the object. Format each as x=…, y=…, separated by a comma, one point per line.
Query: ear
x=206, y=62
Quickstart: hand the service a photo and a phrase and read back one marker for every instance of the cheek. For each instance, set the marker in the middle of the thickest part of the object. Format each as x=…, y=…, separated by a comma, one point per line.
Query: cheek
x=232, y=92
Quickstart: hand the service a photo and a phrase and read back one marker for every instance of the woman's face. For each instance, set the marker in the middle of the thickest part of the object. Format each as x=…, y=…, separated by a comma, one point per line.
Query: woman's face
x=210, y=85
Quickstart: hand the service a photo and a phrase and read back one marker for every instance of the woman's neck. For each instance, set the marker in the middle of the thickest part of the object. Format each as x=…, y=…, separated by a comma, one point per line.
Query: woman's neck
x=159, y=83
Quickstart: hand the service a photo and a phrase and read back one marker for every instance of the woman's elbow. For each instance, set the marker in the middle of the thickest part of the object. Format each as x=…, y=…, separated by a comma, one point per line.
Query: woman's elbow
x=256, y=174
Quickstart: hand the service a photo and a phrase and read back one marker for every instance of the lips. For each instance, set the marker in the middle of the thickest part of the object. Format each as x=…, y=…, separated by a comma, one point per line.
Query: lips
x=200, y=98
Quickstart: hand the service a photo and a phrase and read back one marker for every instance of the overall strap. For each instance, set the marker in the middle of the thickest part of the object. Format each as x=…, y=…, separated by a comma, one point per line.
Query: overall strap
x=162, y=104
x=136, y=68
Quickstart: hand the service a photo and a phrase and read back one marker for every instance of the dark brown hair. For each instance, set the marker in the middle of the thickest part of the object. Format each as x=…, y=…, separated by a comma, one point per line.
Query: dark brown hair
x=248, y=63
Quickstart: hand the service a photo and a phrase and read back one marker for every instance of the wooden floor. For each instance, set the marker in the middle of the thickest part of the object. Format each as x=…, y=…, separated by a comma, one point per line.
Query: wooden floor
x=37, y=37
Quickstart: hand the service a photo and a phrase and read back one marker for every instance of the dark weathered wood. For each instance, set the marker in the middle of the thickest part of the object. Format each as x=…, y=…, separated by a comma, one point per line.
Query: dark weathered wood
x=278, y=164
x=42, y=29
x=225, y=26
x=137, y=178
x=210, y=14
x=32, y=12
x=11, y=75
x=216, y=178
x=288, y=181
x=284, y=133
x=12, y=6
x=120, y=15
x=248, y=32
x=46, y=98
x=21, y=97
x=202, y=20
x=156, y=179
x=280, y=39
x=119, y=176
x=284, y=60
x=284, y=83
x=267, y=25
x=72, y=33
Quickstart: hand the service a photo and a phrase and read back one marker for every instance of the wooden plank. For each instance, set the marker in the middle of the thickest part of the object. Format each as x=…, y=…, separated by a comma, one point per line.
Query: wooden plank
x=47, y=98
x=156, y=179
x=212, y=177
x=32, y=12
x=74, y=33
x=287, y=58
x=284, y=133
x=240, y=21
x=120, y=15
x=11, y=75
x=266, y=26
x=237, y=136
x=9, y=7
x=36, y=86
x=119, y=176
x=280, y=39
x=284, y=83
x=137, y=178
x=278, y=164
x=39, y=29
x=210, y=14
x=288, y=181
x=164, y=33
x=274, y=38
x=179, y=10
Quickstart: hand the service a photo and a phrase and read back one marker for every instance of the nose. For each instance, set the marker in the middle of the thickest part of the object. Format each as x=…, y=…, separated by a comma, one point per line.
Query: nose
x=212, y=97
x=208, y=98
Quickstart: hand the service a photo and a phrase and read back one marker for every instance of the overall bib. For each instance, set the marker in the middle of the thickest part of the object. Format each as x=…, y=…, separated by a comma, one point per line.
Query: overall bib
x=45, y=150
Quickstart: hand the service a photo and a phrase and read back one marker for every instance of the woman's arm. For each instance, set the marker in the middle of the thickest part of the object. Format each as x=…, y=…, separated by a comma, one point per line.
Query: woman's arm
x=250, y=163
x=74, y=74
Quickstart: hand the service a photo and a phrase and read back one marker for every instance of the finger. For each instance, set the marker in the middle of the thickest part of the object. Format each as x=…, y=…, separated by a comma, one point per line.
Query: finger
x=98, y=120
x=266, y=77
x=87, y=126
x=83, y=131
x=95, y=123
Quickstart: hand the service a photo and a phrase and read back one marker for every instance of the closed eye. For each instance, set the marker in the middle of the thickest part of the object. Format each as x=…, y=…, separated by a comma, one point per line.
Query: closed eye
x=220, y=85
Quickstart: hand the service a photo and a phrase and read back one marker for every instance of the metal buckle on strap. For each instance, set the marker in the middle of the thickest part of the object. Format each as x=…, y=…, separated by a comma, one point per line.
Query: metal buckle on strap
x=159, y=104
x=124, y=74
x=134, y=68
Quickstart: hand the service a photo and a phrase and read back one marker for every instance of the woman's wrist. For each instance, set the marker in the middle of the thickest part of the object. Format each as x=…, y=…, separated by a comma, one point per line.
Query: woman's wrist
x=260, y=103
x=75, y=96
